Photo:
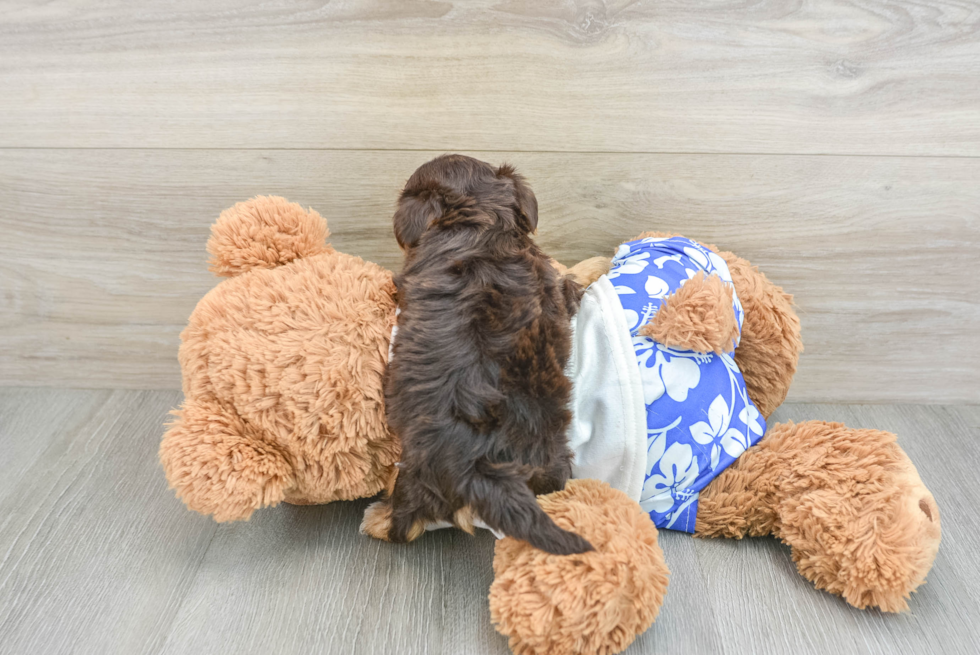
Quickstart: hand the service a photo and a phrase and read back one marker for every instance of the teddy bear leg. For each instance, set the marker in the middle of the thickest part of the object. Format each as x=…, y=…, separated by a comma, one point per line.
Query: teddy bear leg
x=850, y=503
x=770, y=344
x=585, y=604
x=589, y=270
x=219, y=466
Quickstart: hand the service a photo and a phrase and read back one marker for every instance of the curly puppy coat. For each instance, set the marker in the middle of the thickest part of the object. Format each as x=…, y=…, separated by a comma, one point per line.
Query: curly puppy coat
x=476, y=389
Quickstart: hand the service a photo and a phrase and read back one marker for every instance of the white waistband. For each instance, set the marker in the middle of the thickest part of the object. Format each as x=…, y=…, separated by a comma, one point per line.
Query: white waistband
x=608, y=430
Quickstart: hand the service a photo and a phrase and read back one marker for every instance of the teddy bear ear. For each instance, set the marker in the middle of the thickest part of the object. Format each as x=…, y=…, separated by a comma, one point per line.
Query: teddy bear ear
x=264, y=232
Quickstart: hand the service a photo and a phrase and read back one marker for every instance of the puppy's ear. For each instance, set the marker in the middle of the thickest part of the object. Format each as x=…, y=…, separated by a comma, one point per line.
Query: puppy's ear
x=527, y=204
x=414, y=215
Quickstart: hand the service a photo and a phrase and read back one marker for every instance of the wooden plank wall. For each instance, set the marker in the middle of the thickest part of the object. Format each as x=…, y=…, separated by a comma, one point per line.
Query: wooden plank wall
x=835, y=144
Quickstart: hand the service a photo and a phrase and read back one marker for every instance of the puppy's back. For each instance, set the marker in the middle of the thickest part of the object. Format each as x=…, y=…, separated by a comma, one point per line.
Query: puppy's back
x=476, y=388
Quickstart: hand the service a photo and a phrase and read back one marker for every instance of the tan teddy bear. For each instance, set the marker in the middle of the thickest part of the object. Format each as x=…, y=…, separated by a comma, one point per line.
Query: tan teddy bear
x=283, y=368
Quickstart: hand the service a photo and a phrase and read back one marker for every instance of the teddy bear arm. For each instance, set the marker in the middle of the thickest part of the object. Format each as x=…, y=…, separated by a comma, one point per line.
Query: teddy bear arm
x=585, y=272
x=698, y=316
x=218, y=467
x=859, y=520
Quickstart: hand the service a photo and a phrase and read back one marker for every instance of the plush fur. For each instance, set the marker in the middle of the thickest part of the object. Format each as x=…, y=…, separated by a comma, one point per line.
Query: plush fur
x=477, y=392
x=591, y=603
x=282, y=388
x=698, y=316
x=849, y=502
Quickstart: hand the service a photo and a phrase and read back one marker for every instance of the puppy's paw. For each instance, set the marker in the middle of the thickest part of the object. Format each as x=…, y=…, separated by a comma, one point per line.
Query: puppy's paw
x=417, y=530
x=464, y=519
x=377, y=520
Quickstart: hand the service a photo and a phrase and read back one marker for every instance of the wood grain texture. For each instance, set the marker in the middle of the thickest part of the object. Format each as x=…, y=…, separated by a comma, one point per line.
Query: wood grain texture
x=97, y=556
x=303, y=580
x=104, y=249
x=970, y=415
x=95, y=553
x=33, y=420
x=828, y=76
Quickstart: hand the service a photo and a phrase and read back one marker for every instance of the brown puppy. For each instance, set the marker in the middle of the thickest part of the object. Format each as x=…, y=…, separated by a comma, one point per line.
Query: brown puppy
x=476, y=389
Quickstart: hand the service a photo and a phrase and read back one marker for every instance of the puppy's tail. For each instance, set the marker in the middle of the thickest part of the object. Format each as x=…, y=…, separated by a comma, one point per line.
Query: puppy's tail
x=500, y=496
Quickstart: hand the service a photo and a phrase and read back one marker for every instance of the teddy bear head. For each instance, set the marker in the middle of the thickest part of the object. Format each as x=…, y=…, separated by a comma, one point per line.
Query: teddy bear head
x=283, y=366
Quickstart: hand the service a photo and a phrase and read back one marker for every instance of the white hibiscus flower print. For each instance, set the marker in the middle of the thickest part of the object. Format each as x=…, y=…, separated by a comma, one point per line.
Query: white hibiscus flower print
x=697, y=256
x=717, y=433
x=632, y=319
x=678, y=471
x=750, y=416
x=655, y=287
x=660, y=261
x=710, y=261
x=675, y=376
x=630, y=265
x=657, y=442
x=730, y=364
x=734, y=442
x=718, y=420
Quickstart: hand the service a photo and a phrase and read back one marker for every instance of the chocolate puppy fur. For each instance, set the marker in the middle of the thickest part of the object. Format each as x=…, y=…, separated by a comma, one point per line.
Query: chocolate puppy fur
x=476, y=389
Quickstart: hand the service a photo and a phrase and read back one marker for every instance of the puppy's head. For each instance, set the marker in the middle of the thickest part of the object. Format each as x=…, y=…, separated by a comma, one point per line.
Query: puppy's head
x=455, y=188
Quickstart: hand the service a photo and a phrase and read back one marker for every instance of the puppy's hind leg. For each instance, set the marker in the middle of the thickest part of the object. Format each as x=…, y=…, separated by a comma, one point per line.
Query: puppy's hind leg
x=549, y=479
x=383, y=521
x=412, y=508
x=377, y=520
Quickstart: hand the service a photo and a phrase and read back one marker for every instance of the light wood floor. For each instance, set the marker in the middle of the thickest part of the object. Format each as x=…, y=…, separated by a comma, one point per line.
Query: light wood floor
x=97, y=556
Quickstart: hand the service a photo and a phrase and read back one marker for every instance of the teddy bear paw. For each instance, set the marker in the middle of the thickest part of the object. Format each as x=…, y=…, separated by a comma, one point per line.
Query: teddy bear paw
x=587, y=604
x=870, y=534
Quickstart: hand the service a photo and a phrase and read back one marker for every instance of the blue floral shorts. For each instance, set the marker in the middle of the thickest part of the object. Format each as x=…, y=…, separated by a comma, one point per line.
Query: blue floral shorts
x=699, y=415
